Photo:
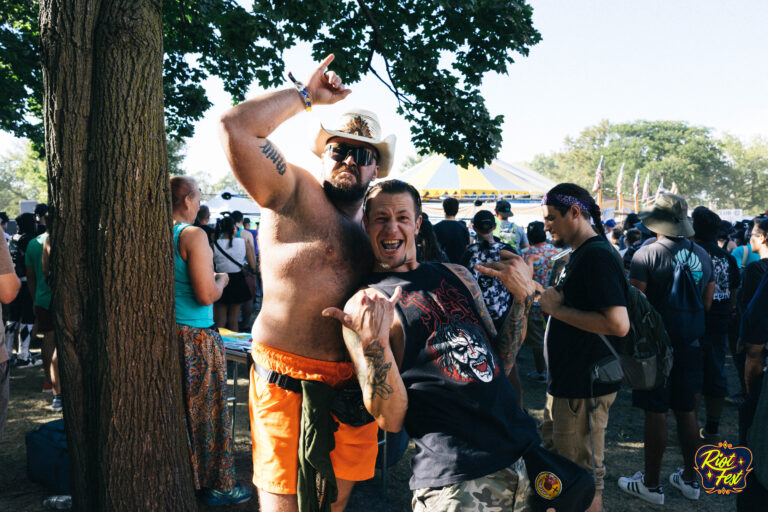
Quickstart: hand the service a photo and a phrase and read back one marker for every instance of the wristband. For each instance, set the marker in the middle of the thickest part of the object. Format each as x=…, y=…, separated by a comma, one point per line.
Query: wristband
x=303, y=91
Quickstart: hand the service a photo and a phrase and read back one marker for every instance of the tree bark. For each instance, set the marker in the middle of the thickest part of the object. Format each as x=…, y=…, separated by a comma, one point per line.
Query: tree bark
x=112, y=254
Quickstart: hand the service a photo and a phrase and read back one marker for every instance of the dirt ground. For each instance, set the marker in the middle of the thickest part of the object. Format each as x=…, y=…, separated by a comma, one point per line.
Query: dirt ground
x=624, y=453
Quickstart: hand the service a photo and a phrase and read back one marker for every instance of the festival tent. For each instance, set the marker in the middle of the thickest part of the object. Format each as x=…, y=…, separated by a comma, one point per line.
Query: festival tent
x=219, y=205
x=437, y=177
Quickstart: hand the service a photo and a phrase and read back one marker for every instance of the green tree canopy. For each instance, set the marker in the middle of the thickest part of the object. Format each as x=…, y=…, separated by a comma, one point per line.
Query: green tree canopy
x=746, y=186
x=435, y=55
x=22, y=177
x=670, y=150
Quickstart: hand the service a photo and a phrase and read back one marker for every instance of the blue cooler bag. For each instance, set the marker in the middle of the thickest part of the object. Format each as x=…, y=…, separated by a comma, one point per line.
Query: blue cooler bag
x=47, y=457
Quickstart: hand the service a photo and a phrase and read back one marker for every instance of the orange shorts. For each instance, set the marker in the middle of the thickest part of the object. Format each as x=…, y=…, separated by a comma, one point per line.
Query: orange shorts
x=276, y=422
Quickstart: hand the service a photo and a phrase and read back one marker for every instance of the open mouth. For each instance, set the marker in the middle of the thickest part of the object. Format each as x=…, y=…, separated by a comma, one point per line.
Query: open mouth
x=481, y=367
x=391, y=246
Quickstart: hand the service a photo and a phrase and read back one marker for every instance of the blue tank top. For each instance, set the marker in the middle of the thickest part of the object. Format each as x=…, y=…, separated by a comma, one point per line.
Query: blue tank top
x=188, y=310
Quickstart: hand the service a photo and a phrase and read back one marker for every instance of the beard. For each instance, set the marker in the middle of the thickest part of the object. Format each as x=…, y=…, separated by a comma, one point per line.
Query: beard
x=345, y=192
x=559, y=243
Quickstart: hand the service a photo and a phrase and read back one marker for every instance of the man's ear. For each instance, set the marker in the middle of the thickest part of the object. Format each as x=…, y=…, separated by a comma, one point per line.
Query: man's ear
x=375, y=171
x=575, y=211
x=418, y=222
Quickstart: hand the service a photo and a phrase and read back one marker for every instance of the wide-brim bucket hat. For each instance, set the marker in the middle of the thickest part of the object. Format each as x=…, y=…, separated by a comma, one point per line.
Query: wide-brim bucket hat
x=361, y=126
x=668, y=217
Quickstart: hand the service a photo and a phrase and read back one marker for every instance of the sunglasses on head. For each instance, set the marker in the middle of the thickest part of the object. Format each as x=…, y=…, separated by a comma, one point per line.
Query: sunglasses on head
x=362, y=155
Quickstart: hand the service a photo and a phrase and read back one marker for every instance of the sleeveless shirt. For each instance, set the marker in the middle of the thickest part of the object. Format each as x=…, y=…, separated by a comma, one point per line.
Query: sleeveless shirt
x=463, y=413
x=188, y=310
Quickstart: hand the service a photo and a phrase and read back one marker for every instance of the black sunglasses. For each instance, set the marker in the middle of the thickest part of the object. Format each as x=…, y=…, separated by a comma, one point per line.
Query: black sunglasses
x=362, y=155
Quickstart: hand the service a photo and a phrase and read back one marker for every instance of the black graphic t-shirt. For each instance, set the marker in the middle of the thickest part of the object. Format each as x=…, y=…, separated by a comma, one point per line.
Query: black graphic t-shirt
x=725, y=273
x=592, y=279
x=463, y=413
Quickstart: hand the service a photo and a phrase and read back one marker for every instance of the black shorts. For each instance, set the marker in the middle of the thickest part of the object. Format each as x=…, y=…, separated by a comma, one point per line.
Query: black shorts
x=21, y=309
x=684, y=383
x=237, y=291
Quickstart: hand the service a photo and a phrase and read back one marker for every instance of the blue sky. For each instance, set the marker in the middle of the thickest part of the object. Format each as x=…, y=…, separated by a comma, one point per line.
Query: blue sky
x=704, y=62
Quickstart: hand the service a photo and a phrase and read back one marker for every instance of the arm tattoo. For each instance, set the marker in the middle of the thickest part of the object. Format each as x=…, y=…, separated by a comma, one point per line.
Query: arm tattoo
x=272, y=153
x=377, y=370
x=510, y=339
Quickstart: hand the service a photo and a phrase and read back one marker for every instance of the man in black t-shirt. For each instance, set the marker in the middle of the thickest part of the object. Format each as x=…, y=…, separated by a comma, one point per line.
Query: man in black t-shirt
x=588, y=300
x=706, y=224
x=451, y=392
x=452, y=234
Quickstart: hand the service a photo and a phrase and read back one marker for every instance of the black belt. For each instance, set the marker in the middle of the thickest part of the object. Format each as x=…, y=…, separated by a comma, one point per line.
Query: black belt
x=347, y=405
x=286, y=382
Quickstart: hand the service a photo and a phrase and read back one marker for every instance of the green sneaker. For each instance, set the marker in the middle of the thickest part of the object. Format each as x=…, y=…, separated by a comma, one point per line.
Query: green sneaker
x=238, y=494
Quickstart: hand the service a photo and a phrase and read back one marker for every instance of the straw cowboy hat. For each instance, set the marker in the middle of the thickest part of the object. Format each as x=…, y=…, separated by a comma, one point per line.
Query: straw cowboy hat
x=362, y=126
x=668, y=217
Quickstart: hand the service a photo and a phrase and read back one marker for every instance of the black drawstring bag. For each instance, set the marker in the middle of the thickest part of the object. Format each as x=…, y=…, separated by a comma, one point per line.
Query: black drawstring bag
x=557, y=482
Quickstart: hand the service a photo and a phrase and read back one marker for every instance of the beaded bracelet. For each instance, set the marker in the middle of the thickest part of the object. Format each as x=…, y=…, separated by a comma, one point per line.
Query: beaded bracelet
x=303, y=91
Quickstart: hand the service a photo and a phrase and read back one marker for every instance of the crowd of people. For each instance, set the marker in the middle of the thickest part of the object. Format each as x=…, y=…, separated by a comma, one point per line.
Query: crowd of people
x=374, y=318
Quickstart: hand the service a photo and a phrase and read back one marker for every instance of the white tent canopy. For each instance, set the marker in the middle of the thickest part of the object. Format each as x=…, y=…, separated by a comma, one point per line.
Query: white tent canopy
x=218, y=205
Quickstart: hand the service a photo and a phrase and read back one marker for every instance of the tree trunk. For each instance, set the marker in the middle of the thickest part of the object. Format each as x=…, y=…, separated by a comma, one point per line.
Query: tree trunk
x=112, y=254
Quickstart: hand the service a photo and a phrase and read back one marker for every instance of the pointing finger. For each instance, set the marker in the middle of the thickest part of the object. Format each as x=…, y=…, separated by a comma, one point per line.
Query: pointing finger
x=327, y=61
x=508, y=255
x=338, y=314
x=487, y=270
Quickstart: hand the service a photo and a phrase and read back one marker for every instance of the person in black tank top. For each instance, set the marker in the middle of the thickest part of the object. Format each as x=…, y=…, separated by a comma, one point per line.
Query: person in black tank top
x=451, y=393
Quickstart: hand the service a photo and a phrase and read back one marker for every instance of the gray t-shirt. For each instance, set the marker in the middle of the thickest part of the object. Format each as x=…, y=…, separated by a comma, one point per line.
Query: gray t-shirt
x=653, y=265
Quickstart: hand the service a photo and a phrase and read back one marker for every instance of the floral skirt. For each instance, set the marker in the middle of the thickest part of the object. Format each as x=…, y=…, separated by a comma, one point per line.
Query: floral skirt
x=209, y=433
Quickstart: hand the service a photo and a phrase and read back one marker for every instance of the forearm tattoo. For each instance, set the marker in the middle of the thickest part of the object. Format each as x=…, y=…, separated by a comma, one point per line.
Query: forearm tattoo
x=512, y=334
x=376, y=371
x=275, y=156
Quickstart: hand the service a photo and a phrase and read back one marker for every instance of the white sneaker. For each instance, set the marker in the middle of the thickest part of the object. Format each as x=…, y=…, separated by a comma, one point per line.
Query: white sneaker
x=689, y=489
x=635, y=486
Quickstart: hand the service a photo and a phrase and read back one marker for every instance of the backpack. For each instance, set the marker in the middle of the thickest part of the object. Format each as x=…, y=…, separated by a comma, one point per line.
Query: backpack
x=17, y=246
x=684, y=314
x=645, y=353
x=507, y=235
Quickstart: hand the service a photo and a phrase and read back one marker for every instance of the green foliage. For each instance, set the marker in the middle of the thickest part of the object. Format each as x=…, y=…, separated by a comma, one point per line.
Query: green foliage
x=435, y=55
x=670, y=150
x=176, y=154
x=22, y=177
x=746, y=186
x=21, y=79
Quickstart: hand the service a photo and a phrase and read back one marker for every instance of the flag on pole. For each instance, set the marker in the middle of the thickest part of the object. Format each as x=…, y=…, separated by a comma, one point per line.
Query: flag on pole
x=597, y=188
x=636, y=190
x=619, y=194
x=674, y=189
x=658, y=190
x=646, y=189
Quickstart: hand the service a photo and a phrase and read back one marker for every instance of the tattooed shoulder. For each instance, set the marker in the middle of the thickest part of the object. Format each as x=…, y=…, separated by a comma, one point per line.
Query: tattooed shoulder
x=272, y=153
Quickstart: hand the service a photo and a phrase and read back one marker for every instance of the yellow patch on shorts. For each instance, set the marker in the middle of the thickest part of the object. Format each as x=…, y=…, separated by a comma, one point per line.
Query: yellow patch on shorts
x=548, y=485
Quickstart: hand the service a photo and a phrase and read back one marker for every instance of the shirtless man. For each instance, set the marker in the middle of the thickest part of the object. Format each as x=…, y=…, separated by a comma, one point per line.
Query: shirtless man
x=315, y=254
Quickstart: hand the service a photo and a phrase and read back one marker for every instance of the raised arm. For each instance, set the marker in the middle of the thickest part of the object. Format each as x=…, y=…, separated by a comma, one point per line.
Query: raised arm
x=517, y=276
x=368, y=319
x=257, y=163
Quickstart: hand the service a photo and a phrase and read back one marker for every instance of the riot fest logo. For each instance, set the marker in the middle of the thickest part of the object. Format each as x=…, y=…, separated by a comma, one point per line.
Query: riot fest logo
x=723, y=467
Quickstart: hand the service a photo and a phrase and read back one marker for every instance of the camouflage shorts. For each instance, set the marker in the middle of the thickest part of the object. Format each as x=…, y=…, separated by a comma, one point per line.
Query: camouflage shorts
x=507, y=490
